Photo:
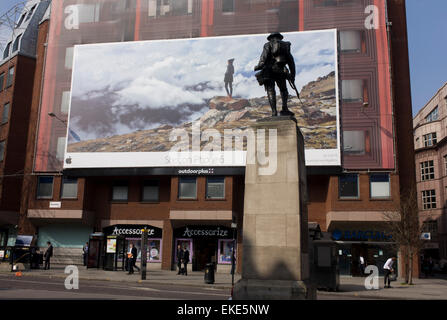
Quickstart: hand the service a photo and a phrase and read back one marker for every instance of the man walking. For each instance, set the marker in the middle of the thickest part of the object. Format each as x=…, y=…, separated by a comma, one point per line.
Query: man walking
x=48, y=254
x=85, y=253
x=388, y=268
x=179, y=259
x=185, y=259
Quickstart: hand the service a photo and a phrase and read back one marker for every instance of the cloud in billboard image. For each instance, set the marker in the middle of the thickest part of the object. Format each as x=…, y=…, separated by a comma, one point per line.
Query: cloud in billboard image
x=128, y=97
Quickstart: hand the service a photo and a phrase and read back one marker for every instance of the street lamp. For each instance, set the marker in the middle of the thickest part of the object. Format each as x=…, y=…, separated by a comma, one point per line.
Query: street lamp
x=53, y=115
x=234, y=227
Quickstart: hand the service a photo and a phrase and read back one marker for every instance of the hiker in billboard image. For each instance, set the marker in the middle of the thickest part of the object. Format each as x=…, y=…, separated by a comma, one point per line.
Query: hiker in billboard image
x=229, y=78
x=273, y=64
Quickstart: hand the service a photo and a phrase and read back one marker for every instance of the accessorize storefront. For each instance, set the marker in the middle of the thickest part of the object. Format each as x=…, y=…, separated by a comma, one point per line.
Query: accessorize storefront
x=206, y=244
x=132, y=234
x=375, y=246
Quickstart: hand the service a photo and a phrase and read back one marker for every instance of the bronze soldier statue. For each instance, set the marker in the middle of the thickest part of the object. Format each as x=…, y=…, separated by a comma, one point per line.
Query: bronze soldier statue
x=228, y=79
x=273, y=64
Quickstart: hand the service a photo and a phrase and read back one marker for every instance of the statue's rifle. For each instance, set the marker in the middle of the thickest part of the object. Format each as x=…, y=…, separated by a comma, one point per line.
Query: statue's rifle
x=292, y=84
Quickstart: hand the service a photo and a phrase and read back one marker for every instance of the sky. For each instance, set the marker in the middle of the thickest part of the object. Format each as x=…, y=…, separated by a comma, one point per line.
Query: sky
x=427, y=32
x=182, y=75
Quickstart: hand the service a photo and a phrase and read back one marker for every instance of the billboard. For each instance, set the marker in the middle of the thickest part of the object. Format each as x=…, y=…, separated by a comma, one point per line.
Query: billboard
x=133, y=103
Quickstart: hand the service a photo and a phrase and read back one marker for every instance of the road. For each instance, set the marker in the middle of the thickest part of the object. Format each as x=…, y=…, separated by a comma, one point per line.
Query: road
x=29, y=287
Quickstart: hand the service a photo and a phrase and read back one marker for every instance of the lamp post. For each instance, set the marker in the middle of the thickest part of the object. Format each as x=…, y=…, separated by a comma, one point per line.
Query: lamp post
x=143, y=253
x=233, y=226
x=53, y=115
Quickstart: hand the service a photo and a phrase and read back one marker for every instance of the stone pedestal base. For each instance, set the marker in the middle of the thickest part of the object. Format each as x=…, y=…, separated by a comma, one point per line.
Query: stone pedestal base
x=249, y=289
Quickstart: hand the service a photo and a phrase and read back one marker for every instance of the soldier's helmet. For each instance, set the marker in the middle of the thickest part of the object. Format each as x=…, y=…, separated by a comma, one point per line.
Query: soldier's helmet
x=275, y=35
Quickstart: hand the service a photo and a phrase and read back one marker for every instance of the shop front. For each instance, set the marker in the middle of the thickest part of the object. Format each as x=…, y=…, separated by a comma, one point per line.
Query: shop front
x=375, y=246
x=207, y=244
x=132, y=234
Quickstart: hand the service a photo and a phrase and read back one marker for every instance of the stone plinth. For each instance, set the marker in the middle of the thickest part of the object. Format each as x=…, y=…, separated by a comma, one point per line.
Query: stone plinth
x=275, y=255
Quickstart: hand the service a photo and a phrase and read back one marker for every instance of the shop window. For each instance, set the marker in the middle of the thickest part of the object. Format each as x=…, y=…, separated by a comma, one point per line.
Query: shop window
x=225, y=248
x=30, y=13
x=120, y=191
x=354, y=91
x=429, y=199
x=433, y=116
x=430, y=139
x=45, y=187
x=227, y=5
x=187, y=188
x=2, y=150
x=356, y=142
x=154, y=247
x=427, y=170
x=10, y=77
x=6, y=52
x=352, y=41
x=380, y=185
x=60, y=149
x=215, y=187
x=2, y=81
x=69, y=188
x=65, y=104
x=348, y=185
x=15, y=47
x=5, y=113
x=151, y=191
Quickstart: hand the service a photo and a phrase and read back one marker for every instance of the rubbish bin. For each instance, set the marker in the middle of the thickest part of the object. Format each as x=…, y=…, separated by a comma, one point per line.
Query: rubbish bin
x=209, y=273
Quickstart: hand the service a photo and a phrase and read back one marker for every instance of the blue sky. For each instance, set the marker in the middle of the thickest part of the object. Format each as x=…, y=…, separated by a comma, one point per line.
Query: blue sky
x=427, y=32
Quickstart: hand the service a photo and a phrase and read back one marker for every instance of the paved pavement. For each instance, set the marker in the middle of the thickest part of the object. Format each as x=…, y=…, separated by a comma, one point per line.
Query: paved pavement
x=350, y=287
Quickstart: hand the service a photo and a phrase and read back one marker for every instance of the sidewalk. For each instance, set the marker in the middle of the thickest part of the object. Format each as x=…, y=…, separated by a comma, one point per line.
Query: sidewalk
x=196, y=279
x=423, y=289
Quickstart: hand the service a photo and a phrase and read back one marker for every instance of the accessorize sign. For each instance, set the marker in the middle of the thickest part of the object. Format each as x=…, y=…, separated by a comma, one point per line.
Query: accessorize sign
x=204, y=231
x=133, y=231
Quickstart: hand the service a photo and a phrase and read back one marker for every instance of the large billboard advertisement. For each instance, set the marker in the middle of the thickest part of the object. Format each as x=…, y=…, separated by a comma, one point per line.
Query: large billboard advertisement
x=365, y=104
x=133, y=103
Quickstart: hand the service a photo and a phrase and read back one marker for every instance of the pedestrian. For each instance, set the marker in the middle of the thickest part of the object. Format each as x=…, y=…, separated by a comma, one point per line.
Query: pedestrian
x=48, y=254
x=362, y=265
x=185, y=260
x=85, y=253
x=388, y=268
x=179, y=259
x=431, y=264
x=132, y=257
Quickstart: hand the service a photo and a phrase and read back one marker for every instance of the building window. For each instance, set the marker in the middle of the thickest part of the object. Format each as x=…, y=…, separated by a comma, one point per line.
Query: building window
x=69, y=188
x=354, y=91
x=30, y=13
x=430, y=226
x=227, y=5
x=10, y=77
x=427, y=170
x=69, y=58
x=151, y=191
x=5, y=114
x=45, y=187
x=352, y=41
x=429, y=199
x=348, y=185
x=2, y=150
x=21, y=20
x=169, y=8
x=187, y=188
x=15, y=47
x=65, y=104
x=356, y=142
x=60, y=148
x=379, y=185
x=332, y=3
x=6, y=52
x=2, y=81
x=433, y=116
x=215, y=187
x=430, y=139
x=445, y=164
x=120, y=191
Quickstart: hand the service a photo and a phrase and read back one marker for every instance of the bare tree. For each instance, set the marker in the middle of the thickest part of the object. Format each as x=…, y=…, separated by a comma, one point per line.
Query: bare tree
x=406, y=229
